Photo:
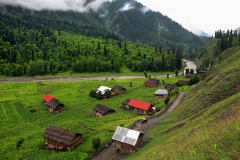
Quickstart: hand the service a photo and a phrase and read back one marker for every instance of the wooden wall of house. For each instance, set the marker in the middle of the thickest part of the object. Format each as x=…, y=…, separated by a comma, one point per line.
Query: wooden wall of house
x=97, y=114
x=158, y=96
x=151, y=85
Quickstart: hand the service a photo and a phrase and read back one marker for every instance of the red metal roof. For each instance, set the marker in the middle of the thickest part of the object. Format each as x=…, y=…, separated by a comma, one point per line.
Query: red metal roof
x=48, y=97
x=139, y=104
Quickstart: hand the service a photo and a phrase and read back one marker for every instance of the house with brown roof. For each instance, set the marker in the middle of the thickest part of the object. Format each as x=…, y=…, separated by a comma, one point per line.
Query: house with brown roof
x=119, y=89
x=140, y=107
x=101, y=110
x=184, y=83
x=53, y=105
x=61, y=139
x=169, y=85
x=189, y=75
x=125, y=103
x=127, y=140
x=151, y=83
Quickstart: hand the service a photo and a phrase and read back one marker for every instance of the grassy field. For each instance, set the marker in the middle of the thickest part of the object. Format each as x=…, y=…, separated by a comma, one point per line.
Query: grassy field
x=17, y=122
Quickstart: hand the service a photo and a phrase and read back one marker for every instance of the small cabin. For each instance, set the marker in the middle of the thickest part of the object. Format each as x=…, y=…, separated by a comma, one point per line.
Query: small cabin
x=53, y=105
x=184, y=83
x=59, y=139
x=101, y=110
x=169, y=85
x=189, y=75
x=151, y=83
x=125, y=103
x=126, y=140
x=140, y=107
x=161, y=93
x=103, y=89
x=119, y=89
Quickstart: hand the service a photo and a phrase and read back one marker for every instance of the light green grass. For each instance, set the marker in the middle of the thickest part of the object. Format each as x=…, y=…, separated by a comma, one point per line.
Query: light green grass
x=18, y=122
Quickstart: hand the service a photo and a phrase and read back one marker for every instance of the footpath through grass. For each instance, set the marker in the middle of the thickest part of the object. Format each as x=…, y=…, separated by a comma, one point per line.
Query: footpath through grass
x=17, y=122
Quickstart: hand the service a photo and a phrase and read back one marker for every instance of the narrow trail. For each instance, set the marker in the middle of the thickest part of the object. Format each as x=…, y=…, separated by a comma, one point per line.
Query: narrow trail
x=108, y=154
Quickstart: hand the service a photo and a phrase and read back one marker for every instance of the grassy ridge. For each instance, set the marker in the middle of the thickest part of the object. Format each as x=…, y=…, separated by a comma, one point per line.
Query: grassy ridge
x=18, y=122
x=210, y=114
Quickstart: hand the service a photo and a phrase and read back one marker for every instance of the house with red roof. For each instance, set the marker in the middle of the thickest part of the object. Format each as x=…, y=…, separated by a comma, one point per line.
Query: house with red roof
x=140, y=107
x=53, y=105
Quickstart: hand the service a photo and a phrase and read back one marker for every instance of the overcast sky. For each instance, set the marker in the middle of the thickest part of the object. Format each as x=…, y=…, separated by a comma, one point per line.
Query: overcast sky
x=206, y=15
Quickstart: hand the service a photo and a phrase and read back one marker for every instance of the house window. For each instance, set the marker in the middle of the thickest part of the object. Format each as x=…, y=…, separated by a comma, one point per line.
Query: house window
x=126, y=147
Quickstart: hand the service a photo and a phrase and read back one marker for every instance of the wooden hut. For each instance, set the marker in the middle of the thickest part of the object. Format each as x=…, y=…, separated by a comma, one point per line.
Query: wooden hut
x=103, y=89
x=161, y=93
x=126, y=140
x=125, y=103
x=189, y=75
x=119, y=89
x=61, y=139
x=151, y=83
x=169, y=85
x=140, y=107
x=101, y=110
x=53, y=105
x=184, y=83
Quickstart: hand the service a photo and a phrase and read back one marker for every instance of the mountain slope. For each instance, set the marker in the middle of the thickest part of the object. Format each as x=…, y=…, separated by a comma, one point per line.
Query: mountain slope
x=210, y=114
x=129, y=19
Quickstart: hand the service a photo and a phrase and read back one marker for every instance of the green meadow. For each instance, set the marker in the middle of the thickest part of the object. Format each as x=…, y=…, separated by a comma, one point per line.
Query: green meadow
x=18, y=123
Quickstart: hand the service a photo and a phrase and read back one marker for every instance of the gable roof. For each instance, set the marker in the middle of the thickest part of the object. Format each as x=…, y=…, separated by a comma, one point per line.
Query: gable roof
x=126, y=102
x=59, y=135
x=53, y=103
x=184, y=82
x=103, y=89
x=189, y=75
x=150, y=82
x=169, y=85
x=126, y=135
x=161, y=92
x=102, y=109
x=118, y=88
x=139, y=104
x=48, y=97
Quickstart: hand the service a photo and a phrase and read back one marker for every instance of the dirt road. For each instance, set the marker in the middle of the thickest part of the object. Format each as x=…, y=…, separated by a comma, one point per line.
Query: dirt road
x=108, y=154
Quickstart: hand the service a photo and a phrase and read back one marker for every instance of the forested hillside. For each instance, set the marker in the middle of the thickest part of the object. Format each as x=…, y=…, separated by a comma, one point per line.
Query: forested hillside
x=138, y=24
x=34, y=49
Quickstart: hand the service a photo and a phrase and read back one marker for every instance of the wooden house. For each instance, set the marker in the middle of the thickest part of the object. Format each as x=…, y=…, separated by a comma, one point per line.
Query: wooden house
x=61, y=139
x=103, y=89
x=184, y=83
x=140, y=107
x=127, y=141
x=101, y=110
x=189, y=75
x=161, y=93
x=125, y=103
x=151, y=83
x=119, y=89
x=169, y=85
x=53, y=105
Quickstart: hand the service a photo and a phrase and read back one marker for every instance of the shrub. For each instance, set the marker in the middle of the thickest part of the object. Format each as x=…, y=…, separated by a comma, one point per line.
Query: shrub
x=176, y=72
x=194, y=80
x=145, y=74
x=187, y=70
x=178, y=84
x=122, y=124
x=96, y=142
x=163, y=81
x=130, y=84
x=192, y=71
x=168, y=75
x=93, y=93
x=109, y=93
x=166, y=101
x=99, y=95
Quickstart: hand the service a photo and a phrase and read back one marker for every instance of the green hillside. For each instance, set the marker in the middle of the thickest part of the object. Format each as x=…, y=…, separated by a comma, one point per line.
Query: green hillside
x=207, y=120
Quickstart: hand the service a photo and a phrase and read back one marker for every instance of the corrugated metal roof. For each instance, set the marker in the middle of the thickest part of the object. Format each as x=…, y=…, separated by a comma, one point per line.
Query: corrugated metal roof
x=102, y=89
x=162, y=92
x=126, y=135
x=48, y=97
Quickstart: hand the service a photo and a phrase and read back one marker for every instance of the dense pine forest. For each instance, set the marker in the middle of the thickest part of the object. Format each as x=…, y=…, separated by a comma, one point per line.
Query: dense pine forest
x=28, y=48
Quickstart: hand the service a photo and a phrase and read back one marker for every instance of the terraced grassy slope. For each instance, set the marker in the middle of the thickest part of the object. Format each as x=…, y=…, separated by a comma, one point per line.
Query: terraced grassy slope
x=206, y=122
x=17, y=122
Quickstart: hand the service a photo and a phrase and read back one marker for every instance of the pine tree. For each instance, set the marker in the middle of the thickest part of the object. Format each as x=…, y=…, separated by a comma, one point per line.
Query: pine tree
x=105, y=51
x=99, y=46
x=156, y=51
x=78, y=50
x=230, y=39
x=164, y=64
x=160, y=49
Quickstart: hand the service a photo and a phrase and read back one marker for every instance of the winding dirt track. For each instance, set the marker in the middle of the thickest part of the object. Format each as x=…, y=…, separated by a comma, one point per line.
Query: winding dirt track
x=108, y=154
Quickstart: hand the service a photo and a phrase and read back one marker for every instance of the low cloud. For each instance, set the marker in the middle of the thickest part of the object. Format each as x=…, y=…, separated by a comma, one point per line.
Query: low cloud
x=76, y=5
x=145, y=9
x=127, y=6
